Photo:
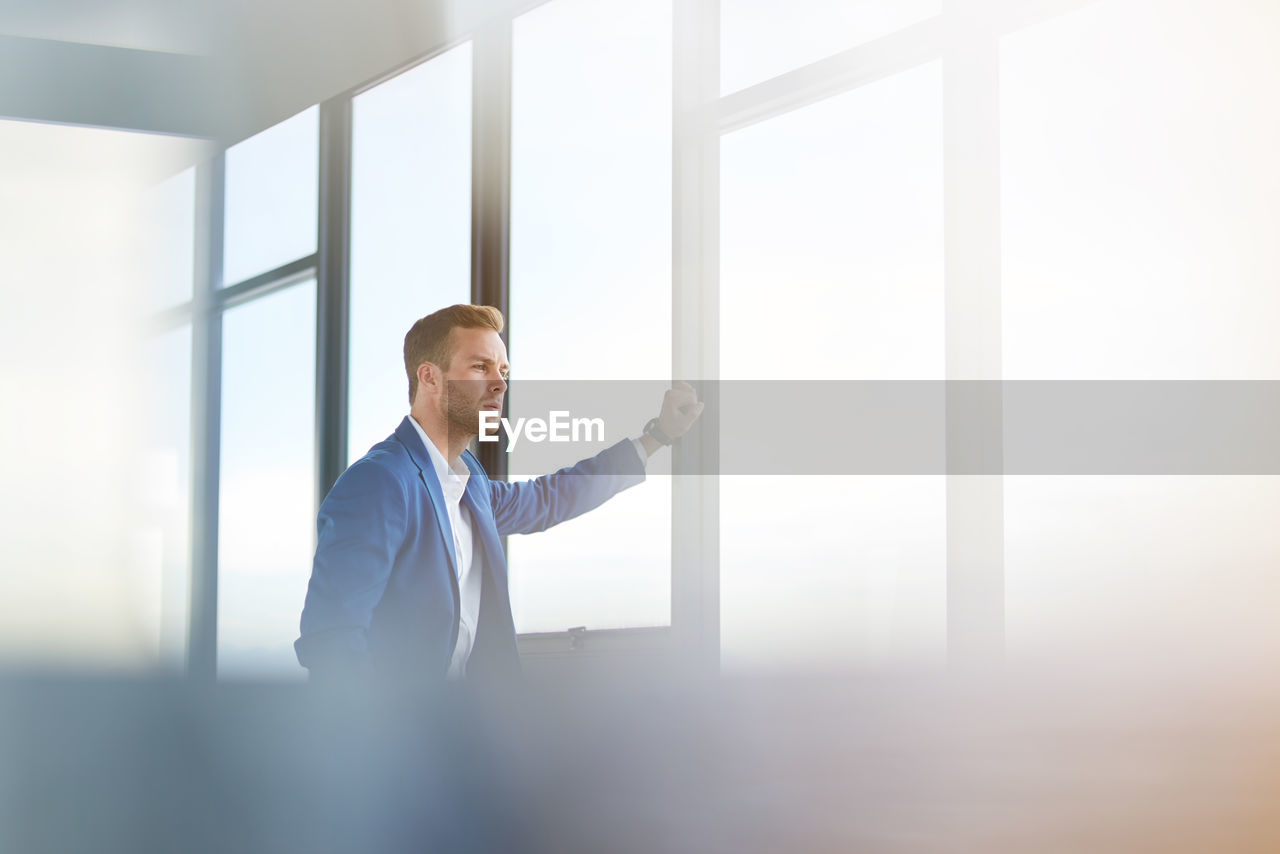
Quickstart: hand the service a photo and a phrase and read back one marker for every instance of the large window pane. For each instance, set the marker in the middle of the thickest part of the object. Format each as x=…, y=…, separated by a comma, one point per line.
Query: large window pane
x=1160, y=571
x=266, y=504
x=1140, y=208
x=764, y=38
x=1140, y=201
x=832, y=572
x=591, y=282
x=271, y=202
x=410, y=228
x=831, y=269
x=831, y=219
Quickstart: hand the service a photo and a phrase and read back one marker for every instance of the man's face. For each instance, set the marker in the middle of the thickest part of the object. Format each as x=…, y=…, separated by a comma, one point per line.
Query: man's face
x=476, y=379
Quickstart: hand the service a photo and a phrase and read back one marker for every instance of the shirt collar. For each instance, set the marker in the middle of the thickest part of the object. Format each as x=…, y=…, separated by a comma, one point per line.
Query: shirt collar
x=453, y=479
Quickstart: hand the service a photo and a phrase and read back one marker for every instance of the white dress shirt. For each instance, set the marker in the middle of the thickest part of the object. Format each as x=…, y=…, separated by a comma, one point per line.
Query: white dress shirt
x=453, y=482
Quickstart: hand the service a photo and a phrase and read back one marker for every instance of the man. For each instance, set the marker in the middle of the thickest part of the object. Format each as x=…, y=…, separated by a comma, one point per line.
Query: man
x=410, y=580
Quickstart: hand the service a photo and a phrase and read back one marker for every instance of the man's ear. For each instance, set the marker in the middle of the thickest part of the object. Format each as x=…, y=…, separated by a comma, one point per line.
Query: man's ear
x=429, y=376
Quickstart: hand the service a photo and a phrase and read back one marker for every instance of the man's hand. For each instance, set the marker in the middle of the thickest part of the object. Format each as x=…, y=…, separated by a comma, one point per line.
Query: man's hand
x=680, y=408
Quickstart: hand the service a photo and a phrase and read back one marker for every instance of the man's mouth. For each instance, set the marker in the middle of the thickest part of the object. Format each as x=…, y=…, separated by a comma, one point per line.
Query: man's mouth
x=492, y=404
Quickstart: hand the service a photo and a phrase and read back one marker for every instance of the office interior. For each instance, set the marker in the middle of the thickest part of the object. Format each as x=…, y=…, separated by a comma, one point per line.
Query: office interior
x=218, y=219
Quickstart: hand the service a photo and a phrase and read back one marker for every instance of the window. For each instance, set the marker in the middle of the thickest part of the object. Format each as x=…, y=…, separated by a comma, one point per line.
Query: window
x=266, y=507
x=410, y=228
x=831, y=269
x=1138, y=219
x=271, y=198
x=918, y=191
x=591, y=285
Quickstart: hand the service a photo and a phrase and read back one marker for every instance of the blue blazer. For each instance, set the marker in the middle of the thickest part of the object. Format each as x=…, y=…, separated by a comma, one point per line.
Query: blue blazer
x=383, y=597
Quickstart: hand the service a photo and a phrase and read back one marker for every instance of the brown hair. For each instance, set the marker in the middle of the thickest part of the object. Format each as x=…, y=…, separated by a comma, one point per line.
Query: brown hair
x=430, y=338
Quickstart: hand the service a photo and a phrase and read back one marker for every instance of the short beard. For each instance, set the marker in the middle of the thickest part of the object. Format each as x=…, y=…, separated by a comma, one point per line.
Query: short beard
x=462, y=410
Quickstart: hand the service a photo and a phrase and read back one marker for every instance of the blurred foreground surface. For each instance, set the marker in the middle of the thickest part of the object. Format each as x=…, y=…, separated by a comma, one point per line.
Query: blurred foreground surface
x=1005, y=763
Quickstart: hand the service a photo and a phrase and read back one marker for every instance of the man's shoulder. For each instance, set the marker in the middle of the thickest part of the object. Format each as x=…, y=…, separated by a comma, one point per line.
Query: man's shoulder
x=389, y=452
x=385, y=462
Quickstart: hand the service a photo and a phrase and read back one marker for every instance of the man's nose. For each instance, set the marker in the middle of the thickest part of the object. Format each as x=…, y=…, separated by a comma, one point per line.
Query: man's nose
x=497, y=383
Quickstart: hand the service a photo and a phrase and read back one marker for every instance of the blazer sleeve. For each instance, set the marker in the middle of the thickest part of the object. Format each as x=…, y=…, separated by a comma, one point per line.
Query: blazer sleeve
x=535, y=505
x=359, y=530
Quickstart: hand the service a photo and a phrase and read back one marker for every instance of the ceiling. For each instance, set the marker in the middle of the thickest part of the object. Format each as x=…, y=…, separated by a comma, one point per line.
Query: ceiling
x=219, y=69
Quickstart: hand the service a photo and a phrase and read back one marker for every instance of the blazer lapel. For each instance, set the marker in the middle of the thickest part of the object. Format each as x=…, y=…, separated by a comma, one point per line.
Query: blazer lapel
x=409, y=437
x=482, y=521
